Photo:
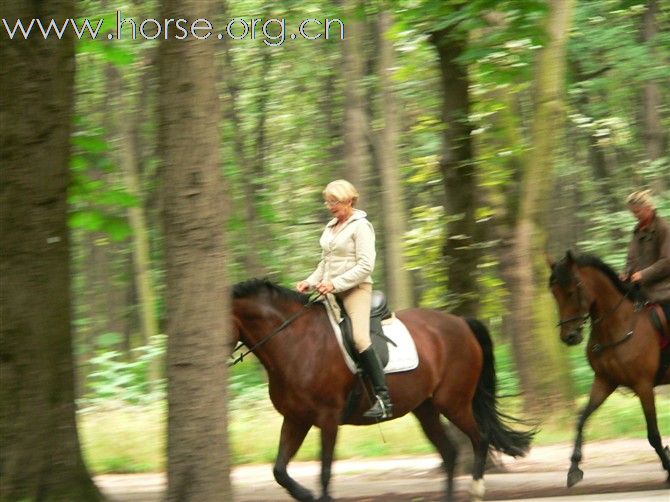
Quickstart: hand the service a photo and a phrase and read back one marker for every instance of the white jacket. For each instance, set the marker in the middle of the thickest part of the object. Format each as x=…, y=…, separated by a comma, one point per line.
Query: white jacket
x=348, y=257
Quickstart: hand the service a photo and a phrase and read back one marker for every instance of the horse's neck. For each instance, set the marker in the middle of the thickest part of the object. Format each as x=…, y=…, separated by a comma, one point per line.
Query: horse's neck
x=284, y=354
x=611, y=307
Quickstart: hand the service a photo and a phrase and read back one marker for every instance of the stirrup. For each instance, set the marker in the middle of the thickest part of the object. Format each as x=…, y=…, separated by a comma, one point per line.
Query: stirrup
x=379, y=409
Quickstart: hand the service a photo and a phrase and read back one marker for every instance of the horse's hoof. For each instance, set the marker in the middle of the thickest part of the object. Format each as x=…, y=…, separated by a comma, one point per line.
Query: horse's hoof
x=575, y=475
x=477, y=491
x=303, y=495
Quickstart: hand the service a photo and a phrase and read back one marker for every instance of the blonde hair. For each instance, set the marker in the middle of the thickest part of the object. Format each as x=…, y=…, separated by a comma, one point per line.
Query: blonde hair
x=341, y=190
x=641, y=198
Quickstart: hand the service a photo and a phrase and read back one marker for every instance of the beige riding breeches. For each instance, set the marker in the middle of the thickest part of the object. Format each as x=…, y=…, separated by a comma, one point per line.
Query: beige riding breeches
x=357, y=302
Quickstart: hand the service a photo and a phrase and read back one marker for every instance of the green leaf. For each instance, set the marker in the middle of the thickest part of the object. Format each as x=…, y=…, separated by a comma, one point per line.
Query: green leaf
x=87, y=220
x=91, y=144
x=117, y=54
x=117, y=228
x=109, y=339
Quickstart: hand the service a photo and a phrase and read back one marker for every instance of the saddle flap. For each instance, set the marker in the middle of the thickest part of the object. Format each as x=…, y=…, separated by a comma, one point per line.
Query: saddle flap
x=659, y=318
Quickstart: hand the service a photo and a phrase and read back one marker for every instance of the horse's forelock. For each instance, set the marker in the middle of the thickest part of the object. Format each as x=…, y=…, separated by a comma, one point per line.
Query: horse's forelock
x=560, y=274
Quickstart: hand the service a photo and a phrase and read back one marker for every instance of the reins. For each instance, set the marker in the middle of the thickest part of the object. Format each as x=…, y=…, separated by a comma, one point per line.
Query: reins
x=599, y=347
x=282, y=326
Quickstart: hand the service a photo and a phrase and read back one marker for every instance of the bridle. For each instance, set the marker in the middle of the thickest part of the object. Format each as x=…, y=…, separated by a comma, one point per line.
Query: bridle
x=275, y=332
x=599, y=347
x=582, y=318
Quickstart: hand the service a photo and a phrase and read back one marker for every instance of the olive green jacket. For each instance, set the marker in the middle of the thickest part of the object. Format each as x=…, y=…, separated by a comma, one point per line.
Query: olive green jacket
x=649, y=254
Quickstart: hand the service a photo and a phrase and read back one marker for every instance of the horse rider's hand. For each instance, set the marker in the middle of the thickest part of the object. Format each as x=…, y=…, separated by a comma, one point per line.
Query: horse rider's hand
x=636, y=277
x=325, y=287
x=303, y=286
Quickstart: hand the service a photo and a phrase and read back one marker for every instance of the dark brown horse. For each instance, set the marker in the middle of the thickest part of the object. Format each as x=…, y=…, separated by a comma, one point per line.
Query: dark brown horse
x=309, y=380
x=623, y=348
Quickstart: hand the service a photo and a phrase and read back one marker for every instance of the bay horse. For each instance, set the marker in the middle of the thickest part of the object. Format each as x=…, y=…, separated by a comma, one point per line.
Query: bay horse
x=623, y=348
x=309, y=381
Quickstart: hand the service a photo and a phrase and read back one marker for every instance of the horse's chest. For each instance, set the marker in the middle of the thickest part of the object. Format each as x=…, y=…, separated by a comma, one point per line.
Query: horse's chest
x=612, y=368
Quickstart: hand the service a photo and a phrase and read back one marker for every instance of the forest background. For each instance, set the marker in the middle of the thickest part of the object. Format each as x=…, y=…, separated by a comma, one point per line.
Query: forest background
x=481, y=134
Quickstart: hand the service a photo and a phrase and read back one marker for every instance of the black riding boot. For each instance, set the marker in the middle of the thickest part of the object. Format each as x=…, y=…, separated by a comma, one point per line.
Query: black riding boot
x=373, y=368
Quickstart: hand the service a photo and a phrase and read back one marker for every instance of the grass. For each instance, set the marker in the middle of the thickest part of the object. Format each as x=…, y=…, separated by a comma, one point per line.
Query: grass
x=121, y=438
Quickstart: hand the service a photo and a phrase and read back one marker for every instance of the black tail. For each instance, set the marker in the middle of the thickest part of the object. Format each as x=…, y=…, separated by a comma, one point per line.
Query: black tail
x=492, y=421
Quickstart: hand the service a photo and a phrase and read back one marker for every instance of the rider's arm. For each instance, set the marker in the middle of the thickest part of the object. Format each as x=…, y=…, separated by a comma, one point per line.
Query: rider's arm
x=660, y=269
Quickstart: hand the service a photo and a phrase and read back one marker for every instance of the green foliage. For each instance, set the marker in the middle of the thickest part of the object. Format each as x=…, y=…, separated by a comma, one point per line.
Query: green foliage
x=112, y=377
x=423, y=251
x=95, y=204
x=246, y=378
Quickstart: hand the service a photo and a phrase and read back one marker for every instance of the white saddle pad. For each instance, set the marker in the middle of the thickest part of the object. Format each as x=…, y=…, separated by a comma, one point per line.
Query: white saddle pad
x=402, y=355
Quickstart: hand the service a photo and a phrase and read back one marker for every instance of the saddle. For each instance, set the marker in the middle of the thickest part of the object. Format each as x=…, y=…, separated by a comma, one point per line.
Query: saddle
x=379, y=312
x=660, y=314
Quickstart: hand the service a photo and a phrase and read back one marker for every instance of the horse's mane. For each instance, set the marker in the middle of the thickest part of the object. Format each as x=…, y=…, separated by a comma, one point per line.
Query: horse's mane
x=255, y=287
x=561, y=274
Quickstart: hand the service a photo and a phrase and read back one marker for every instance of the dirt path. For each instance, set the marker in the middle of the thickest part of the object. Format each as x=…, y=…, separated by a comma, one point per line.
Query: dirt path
x=609, y=466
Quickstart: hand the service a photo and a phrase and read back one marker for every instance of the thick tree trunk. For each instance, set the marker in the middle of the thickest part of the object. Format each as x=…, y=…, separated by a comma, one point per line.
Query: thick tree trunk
x=356, y=157
x=393, y=202
x=540, y=359
x=198, y=302
x=40, y=454
x=459, y=176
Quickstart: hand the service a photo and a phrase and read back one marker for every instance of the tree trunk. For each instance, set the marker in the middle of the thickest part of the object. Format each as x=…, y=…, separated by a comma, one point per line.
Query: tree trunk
x=459, y=176
x=40, y=456
x=655, y=138
x=129, y=156
x=356, y=157
x=541, y=361
x=252, y=169
x=393, y=201
x=198, y=302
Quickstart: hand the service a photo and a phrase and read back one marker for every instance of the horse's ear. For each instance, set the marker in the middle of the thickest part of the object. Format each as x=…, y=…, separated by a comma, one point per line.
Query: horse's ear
x=551, y=261
x=569, y=257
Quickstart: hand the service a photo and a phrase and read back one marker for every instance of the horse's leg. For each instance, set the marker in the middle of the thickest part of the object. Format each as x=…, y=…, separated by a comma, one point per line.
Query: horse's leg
x=292, y=435
x=600, y=390
x=328, y=438
x=464, y=419
x=646, y=395
x=429, y=418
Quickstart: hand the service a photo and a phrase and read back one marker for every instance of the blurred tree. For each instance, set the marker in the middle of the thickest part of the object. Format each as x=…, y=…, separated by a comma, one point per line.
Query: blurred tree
x=127, y=135
x=541, y=363
x=393, y=197
x=356, y=127
x=655, y=138
x=40, y=457
x=251, y=169
x=457, y=164
x=198, y=303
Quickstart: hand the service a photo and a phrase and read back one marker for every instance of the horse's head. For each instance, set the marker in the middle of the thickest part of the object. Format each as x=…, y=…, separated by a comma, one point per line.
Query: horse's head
x=571, y=297
x=259, y=307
